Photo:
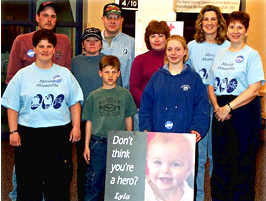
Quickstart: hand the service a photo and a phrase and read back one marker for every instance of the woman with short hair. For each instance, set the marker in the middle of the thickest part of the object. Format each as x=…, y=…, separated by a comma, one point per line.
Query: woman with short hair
x=43, y=108
x=146, y=64
x=234, y=83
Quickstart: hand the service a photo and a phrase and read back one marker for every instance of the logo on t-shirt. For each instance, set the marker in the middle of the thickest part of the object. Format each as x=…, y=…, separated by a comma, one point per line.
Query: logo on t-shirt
x=239, y=59
x=185, y=87
x=58, y=101
x=125, y=51
x=203, y=73
x=47, y=101
x=57, y=78
x=225, y=85
x=30, y=53
x=36, y=101
x=169, y=125
x=109, y=106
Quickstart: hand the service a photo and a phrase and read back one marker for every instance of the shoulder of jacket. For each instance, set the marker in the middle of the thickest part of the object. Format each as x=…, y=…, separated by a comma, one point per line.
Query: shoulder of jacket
x=125, y=36
x=192, y=43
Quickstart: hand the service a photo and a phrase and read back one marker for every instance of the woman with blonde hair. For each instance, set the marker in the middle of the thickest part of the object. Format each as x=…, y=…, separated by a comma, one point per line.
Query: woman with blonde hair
x=210, y=37
x=175, y=99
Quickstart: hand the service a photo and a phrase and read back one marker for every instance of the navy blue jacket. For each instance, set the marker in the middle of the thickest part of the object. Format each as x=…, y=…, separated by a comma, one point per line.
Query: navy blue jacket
x=175, y=103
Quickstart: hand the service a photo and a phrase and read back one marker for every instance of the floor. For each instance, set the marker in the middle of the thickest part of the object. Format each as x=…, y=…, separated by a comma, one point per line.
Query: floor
x=7, y=158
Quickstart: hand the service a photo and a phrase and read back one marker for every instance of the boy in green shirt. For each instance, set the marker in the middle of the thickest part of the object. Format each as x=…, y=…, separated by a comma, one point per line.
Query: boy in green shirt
x=110, y=107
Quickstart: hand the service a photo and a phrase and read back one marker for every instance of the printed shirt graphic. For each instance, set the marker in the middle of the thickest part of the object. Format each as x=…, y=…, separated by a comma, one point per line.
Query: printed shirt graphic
x=42, y=97
x=201, y=56
x=233, y=72
x=107, y=109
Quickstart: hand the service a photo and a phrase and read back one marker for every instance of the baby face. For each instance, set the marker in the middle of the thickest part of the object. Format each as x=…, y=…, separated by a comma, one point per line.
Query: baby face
x=168, y=165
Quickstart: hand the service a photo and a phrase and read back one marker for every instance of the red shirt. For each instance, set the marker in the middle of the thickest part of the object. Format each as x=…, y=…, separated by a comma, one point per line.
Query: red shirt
x=143, y=67
x=22, y=54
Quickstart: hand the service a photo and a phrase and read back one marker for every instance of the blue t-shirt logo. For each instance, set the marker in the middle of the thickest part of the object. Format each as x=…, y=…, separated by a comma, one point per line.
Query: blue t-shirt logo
x=185, y=87
x=169, y=125
x=36, y=101
x=58, y=101
x=203, y=73
x=239, y=59
x=57, y=78
x=30, y=53
x=47, y=102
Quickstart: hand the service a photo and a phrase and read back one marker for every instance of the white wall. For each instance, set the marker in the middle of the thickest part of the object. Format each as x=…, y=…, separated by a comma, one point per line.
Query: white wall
x=151, y=10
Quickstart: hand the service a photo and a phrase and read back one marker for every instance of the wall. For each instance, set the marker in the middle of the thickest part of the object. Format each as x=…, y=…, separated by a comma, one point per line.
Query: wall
x=149, y=10
x=93, y=11
x=256, y=36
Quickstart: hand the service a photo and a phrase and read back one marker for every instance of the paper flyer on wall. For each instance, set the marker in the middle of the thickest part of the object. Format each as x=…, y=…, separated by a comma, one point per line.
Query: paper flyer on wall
x=149, y=166
x=194, y=6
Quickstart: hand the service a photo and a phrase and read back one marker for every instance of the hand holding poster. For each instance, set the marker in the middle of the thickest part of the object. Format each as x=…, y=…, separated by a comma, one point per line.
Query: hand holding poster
x=149, y=166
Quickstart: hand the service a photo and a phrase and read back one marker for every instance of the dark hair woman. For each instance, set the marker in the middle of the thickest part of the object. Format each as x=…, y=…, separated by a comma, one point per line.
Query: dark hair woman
x=235, y=80
x=43, y=107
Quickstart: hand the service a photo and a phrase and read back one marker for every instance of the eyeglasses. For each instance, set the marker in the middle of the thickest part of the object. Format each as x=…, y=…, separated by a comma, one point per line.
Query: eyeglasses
x=113, y=17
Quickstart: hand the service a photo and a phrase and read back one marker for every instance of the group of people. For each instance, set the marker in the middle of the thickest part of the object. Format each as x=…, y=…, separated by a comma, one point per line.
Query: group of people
x=207, y=88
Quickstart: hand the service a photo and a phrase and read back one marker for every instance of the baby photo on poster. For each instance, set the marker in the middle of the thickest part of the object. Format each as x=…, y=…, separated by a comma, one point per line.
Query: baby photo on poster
x=170, y=164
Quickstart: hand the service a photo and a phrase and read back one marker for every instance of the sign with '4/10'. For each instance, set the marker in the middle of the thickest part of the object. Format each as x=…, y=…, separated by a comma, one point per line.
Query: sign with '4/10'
x=129, y=4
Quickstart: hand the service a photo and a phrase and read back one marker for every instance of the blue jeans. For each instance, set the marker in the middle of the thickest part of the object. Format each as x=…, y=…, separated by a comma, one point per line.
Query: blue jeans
x=13, y=194
x=204, y=151
x=95, y=174
x=136, y=122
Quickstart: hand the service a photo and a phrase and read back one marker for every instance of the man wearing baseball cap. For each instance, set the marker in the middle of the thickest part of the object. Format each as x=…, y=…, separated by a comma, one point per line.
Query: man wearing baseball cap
x=22, y=54
x=117, y=43
x=85, y=68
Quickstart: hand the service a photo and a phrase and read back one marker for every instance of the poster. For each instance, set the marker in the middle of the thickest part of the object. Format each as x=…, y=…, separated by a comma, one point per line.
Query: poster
x=176, y=27
x=149, y=166
x=194, y=6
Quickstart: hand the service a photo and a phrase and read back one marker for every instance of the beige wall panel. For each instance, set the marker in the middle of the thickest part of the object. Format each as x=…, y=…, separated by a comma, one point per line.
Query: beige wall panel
x=93, y=11
x=257, y=36
x=151, y=10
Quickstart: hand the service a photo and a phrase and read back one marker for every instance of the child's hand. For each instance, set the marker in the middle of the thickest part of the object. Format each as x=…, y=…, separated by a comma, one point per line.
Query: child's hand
x=86, y=155
x=198, y=137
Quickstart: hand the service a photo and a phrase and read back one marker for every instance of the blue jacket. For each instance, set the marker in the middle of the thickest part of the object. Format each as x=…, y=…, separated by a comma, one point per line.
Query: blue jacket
x=174, y=103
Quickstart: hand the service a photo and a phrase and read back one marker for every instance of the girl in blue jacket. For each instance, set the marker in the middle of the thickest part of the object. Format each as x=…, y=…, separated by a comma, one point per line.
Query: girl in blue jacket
x=175, y=99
